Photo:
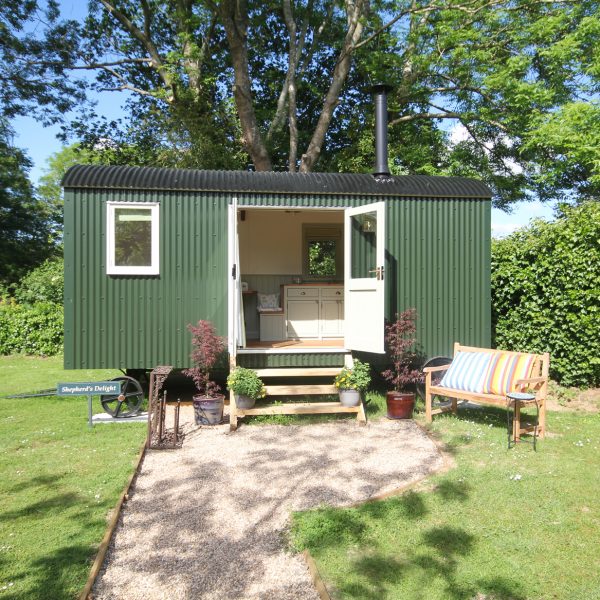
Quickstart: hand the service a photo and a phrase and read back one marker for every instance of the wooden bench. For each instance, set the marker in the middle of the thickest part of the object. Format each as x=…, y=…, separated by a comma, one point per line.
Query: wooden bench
x=536, y=383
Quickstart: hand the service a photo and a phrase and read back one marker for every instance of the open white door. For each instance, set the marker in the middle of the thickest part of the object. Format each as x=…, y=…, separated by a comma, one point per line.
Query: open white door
x=236, y=331
x=364, y=281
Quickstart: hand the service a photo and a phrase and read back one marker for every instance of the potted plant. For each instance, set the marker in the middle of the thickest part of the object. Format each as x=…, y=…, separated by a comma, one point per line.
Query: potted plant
x=400, y=341
x=207, y=347
x=352, y=381
x=247, y=387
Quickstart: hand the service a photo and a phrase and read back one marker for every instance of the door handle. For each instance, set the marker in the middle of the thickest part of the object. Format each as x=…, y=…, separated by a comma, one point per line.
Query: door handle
x=379, y=271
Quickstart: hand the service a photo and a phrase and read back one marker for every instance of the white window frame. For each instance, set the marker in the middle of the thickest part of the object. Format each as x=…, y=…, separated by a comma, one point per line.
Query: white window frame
x=111, y=267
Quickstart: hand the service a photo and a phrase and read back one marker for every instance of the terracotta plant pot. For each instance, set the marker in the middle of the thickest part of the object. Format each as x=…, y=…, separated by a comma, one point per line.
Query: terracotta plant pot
x=208, y=410
x=349, y=398
x=400, y=405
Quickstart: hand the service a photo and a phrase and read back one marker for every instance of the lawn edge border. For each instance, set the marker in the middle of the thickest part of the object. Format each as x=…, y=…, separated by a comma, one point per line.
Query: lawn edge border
x=110, y=528
x=315, y=576
x=448, y=463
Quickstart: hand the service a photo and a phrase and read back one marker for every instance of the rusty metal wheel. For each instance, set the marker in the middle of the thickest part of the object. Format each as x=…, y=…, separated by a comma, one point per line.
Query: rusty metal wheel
x=128, y=402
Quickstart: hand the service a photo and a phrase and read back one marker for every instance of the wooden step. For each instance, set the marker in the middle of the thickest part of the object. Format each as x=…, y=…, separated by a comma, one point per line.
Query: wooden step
x=301, y=408
x=298, y=408
x=299, y=372
x=299, y=390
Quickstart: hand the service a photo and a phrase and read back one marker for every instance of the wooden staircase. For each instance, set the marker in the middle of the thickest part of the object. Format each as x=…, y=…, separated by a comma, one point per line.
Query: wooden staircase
x=296, y=389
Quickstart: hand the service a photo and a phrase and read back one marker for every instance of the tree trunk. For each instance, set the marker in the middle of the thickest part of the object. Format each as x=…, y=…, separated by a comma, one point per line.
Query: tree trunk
x=355, y=11
x=235, y=20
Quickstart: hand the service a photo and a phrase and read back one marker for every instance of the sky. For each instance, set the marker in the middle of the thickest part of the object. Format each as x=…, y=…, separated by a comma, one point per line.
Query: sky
x=41, y=142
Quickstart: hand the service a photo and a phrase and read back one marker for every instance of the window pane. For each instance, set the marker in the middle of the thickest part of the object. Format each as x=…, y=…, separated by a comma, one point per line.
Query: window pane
x=133, y=237
x=363, y=245
x=321, y=258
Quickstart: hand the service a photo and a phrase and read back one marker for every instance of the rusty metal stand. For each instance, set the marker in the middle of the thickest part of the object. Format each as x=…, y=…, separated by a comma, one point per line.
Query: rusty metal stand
x=158, y=436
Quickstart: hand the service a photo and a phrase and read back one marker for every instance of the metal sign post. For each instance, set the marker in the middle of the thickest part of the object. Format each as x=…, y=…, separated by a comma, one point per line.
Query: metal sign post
x=89, y=389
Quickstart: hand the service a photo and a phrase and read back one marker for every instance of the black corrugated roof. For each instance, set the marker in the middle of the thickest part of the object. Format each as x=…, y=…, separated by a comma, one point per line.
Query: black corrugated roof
x=150, y=178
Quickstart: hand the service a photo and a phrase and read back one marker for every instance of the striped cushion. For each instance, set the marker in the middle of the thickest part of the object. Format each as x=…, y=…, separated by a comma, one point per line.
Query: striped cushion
x=505, y=370
x=467, y=371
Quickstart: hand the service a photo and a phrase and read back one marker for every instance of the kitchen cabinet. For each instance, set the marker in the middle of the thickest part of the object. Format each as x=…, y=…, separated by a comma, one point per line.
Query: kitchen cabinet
x=314, y=311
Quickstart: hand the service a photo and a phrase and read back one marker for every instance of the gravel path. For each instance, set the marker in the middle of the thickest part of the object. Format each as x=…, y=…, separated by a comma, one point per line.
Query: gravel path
x=209, y=520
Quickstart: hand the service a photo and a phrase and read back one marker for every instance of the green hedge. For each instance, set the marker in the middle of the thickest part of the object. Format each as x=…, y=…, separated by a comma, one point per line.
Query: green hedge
x=546, y=293
x=43, y=284
x=35, y=329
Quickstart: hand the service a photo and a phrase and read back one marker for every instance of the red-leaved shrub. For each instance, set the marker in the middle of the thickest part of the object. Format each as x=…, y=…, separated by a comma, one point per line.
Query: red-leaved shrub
x=207, y=346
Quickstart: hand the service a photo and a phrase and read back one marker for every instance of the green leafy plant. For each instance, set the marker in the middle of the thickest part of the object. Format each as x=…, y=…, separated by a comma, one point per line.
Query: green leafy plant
x=245, y=382
x=356, y=378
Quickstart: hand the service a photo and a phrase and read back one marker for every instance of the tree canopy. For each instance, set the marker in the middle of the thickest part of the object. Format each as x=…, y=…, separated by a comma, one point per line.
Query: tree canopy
x=504, y=90
x=25, y=234
x=37, y=50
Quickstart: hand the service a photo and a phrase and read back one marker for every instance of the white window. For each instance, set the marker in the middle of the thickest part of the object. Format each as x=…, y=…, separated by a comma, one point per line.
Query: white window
x=132, y=238
x=323, y=251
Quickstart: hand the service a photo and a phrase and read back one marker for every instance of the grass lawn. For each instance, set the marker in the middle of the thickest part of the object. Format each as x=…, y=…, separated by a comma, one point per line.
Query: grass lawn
x=20, y=374
x=58, y=480
x=502, y=524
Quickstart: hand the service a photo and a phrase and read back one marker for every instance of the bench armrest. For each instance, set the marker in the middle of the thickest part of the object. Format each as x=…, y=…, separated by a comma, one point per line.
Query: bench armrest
x=532, y=382
x=433, y=369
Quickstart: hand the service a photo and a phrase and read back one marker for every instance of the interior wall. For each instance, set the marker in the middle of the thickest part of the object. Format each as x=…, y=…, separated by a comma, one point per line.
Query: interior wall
x=271, y=240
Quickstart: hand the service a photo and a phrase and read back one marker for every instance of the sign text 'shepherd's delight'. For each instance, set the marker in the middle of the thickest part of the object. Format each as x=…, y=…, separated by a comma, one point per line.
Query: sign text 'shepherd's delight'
x=88, y=388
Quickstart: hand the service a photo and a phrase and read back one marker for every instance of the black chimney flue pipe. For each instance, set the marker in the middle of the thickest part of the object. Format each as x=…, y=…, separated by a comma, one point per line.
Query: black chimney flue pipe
x=380, y=91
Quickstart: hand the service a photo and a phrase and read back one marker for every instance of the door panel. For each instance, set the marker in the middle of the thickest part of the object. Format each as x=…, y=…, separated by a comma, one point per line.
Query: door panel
x=365, y=278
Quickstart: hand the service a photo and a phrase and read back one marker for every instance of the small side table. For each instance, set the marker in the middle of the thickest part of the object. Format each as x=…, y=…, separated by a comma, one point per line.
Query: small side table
x=514, y=430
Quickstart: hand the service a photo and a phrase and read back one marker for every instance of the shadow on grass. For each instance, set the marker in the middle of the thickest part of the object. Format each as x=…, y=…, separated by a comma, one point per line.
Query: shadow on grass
x=41, y=508
x=55, y=576
x=453, y=490
x=434, y=562
x=47, y=481
x=431, y=565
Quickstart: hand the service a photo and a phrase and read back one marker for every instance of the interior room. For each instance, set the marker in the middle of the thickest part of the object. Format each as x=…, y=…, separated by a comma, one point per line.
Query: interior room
x=292, y=274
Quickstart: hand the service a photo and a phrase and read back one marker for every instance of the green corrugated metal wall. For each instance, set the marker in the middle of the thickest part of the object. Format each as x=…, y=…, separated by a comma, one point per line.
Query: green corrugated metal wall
x=437, y=261
x=139, y=322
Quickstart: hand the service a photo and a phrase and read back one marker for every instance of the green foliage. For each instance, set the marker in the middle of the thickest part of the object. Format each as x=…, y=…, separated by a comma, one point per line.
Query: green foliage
x=321, y=258
x=37, y=49
x=43, y=284
x=246, y=382
x=356, y=378
x=546, y=293
x=566, y=144
x=36, y=329
x=25, y=232
x=517, y=79
x=49, y=189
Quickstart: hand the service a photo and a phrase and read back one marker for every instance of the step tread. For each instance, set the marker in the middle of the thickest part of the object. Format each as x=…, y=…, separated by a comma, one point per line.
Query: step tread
x=297, y=390
x=299, y=372
x=298, y=408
